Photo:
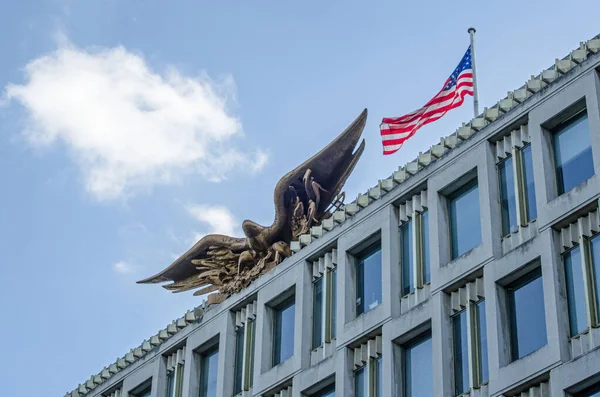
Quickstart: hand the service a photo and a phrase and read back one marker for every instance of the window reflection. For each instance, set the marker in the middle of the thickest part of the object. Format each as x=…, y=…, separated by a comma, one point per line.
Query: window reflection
x=482, y=349
x=208, y=373
x=407, y=258
x=527, y=316
x=461, y=353
x=530, y=207
x=465, y=225
x=239, y=359
x=595, y=270
x=368, y=279
x=575, y=291
x=572, y=153
x=317, y=334
x=425, y=247
x=283, y=335
x=418, y=368
x=360, y=383
x=508, y=203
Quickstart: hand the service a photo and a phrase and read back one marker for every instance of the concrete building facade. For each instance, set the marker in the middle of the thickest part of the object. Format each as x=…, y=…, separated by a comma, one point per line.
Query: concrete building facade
x=473, y=270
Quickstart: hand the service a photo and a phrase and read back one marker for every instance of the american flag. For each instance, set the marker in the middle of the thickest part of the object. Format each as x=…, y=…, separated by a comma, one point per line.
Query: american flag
x=396, y=130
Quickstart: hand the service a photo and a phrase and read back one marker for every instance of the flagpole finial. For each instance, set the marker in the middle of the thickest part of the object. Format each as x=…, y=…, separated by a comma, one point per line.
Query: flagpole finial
x=471, y=31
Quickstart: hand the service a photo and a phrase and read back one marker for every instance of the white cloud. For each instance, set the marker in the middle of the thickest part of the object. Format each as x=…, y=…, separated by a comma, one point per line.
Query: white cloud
x=218, y=218
x=123, y=267
x=129, y=127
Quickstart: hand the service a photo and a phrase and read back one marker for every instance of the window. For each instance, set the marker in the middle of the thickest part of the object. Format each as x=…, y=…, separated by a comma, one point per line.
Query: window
x=324, y=301
x=572, y=152
x=360, y=383
x=368, y=279
x=333, y=303
x=240, y=337
x=508, y=202
x=327, y=392
x=317, y=332
x=283, y=331
x=594, y=271
x=418, y=368
x=575, y=291
x=175, y=363
x=243, y=369
x=145, y=393
x=209, y=362
x=461, y=353
x=406, y=234
x=582, y=279
x=516, y=186
x=593, y=391
x=415, y=268
x=377, y=378
x=530, y=207
x=469, y=352
x=481, y=353
x=368, y=375
x=527, y=317
x=465, y=225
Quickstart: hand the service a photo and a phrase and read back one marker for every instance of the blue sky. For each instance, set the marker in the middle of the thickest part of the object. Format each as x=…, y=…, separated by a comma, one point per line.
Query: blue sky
x=97, y=191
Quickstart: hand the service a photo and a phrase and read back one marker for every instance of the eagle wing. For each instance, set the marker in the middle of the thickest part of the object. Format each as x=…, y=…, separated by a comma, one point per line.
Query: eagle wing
x=330, y=167
x=183, y=268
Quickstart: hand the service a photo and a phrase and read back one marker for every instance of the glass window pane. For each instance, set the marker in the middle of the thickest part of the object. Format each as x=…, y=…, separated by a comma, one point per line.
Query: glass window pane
x=418, y=369
x=595, y=256
x=425, y=247
x=250, y=353
x=333, y=302
x=283, y=345
x=179, y=380
x=208, y=374
x=239, y=360
x=360, y=383
x=508, y=203
x=575, y=291
x=461, y=353
x=573, y=153
x=368, y=276
x=317, y=330
x=170, y=384
x=407, y=258
x=465, y=225
x=378, y=378
x=531, y=206
x=482, y=347
x=528, y=319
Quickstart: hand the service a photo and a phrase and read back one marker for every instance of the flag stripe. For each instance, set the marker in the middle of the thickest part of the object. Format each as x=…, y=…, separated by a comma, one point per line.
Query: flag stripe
x=405, y=126
x=396, y=130
x=440, y=97
x=398, y=139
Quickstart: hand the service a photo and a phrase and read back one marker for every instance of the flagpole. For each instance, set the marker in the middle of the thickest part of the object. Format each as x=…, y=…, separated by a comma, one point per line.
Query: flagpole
x=471, y=31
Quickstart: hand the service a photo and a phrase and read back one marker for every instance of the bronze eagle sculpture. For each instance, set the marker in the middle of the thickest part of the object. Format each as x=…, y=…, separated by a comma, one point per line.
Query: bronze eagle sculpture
x=303, y=197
